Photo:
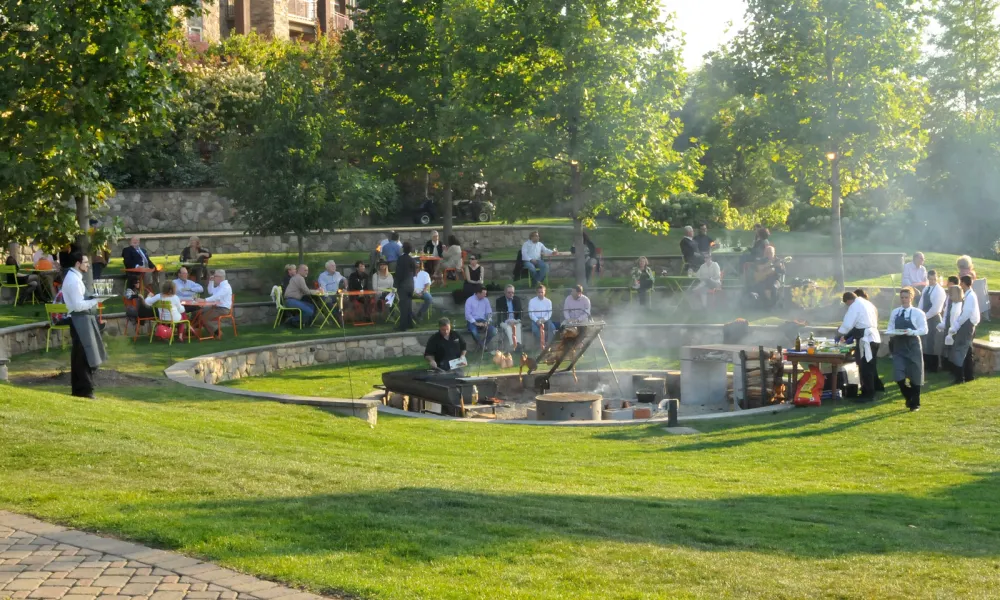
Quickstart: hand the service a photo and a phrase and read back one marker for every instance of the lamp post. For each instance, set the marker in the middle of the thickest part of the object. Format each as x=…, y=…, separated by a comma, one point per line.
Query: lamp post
x=833, y=158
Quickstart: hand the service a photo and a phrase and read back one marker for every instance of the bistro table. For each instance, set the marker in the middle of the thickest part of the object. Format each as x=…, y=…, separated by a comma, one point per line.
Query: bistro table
x=195, y=322
x=326, y=310
x=834, y=359
x=438, y=274
x=367, y=300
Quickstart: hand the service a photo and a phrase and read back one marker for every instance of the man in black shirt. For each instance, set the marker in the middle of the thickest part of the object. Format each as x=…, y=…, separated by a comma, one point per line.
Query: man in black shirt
x=704, y=241
x=689, y=250
x=406, y=268
x=444, y=346
x=357, y=281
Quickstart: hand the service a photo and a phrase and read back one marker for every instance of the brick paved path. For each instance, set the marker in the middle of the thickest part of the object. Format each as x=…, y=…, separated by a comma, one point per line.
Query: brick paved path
x=48, y=562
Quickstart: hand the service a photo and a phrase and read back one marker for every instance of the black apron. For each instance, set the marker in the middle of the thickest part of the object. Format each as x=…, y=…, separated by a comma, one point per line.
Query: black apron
x=907, y=352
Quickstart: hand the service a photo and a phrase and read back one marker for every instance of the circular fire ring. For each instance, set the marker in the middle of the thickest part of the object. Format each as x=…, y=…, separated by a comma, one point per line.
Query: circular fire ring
x=568, y=406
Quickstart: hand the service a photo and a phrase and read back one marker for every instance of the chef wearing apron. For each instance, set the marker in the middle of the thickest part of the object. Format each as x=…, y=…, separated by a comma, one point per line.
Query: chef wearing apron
x=932, y=305
x=963, y=331
x=907, y=352
x=860, y=325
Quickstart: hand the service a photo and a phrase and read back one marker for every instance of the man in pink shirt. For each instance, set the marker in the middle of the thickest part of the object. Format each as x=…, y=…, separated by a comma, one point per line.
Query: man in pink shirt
x=576, y=308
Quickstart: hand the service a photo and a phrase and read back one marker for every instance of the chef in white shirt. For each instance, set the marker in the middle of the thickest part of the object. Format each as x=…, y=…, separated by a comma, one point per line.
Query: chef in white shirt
x=963, y=331
x=907, y=353
x=88, y=347
x=861, y=323
x=187, y=289
x=932, y=305
x=915, y=273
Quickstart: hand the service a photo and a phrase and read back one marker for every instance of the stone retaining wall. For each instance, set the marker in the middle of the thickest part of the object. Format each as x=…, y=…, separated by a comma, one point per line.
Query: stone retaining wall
x=22, y=339
x=173, y=210
x=490, y=237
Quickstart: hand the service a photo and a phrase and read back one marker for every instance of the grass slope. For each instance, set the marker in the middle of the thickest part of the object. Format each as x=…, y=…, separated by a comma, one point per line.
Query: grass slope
x=836, y=502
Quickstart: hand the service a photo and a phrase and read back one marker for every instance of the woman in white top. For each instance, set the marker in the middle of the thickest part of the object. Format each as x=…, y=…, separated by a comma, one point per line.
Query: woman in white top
x=168, y=293
x=451, y=258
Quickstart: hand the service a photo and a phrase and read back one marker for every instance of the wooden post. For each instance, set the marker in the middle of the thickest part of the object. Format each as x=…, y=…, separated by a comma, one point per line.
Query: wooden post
x=242, y=9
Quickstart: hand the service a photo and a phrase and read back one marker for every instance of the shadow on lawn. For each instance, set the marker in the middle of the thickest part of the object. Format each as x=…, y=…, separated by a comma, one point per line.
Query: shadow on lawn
x=426, y=524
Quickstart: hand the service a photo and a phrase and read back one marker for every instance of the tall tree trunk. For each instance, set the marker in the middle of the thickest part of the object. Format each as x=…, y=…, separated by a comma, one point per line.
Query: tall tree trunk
x=836, y=231
x=576, y=192
x=300, y=239
x=449, y=210
x=83, y=238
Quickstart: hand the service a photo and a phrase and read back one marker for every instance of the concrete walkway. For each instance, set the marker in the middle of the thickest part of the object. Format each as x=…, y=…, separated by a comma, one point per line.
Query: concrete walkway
x=48, y=562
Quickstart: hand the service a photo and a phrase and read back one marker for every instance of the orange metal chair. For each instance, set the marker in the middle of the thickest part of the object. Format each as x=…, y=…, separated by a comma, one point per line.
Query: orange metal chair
x=133, y=303
x=231, y=317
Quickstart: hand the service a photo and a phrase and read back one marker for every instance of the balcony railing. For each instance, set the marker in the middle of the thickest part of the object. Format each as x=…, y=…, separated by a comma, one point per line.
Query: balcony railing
x=342, y=22
x=228, y=9
x=302, y=9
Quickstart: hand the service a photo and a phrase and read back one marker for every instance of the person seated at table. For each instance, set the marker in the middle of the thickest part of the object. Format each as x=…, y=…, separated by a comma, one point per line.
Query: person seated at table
x=137, y=309
x=914, y=272
x=576, y=308
x=360, y=281
x=194, y=253
x=964, y=264
x=32, y=281
x=187, y=288
x=220, y=293
x=532, y=252
x=760, y=241
x=298, y=297
x=704, y=241
x=330, y=281
x=451, y=258
x=66, y=257
x=390, y=249
x=176, y=312
x=508, y=311
x=434, y=247
x=290, y=271
x=473, y=274
x=43, y=260
x=444, y=346
x=764, y=278
x=540, y=313
x=689, y=250
x=421, y=289
x=709, y=278
x=642, y=280
x=136, y=257
x=479, y=316
x=382, y=282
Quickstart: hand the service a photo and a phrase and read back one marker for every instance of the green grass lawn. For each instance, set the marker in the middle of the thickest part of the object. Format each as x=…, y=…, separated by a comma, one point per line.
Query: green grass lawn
x=842, y=501
x=942, y=263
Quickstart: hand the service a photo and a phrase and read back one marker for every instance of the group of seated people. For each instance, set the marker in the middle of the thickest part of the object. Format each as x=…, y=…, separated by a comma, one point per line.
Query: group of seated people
x=183, y=289
x=507, y=314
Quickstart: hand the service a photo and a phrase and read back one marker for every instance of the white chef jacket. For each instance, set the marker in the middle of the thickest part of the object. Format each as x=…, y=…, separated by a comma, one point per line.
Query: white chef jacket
x=862, y=314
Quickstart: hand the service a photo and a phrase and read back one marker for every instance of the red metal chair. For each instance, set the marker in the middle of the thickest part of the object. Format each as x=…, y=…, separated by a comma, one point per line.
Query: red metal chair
x=133, y=303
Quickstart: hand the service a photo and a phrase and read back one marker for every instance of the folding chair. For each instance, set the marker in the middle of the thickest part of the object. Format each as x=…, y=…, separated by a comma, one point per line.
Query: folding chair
x=52, y=311
x=282, y=309
x=158, y=309
x=393, y=314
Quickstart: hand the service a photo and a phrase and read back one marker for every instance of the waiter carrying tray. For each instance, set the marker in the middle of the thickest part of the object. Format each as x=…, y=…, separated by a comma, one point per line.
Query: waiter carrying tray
x=88, y=348
x=860, y=324
x=908, y=323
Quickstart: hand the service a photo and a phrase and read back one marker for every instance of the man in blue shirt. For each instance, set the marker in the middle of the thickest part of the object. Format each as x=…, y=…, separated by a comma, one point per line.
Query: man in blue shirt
x=478, y=314
x=391, y=249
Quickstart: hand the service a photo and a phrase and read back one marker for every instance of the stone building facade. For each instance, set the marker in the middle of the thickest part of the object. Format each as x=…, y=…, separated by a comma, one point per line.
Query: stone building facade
x=281, y=19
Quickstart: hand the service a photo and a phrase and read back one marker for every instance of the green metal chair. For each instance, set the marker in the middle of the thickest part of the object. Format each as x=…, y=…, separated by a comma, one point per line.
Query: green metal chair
x=158, y=307
x=10, y=271
x=51, y=311
x=282, y=309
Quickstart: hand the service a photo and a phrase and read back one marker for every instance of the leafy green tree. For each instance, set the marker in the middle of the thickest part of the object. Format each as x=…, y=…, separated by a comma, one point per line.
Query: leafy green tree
x=79, y=78
x=409, y=70
x=837, y=82
x=964, y=72
x=596, y=83
x=295, y=172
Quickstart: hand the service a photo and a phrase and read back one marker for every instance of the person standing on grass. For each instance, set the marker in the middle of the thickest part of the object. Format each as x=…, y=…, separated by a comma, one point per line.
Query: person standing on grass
x=952, y=308
x=859, y=325
x=406, y=268
x=907, y=351
x=932, y=304
x=88, y=351
x=963, y=332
